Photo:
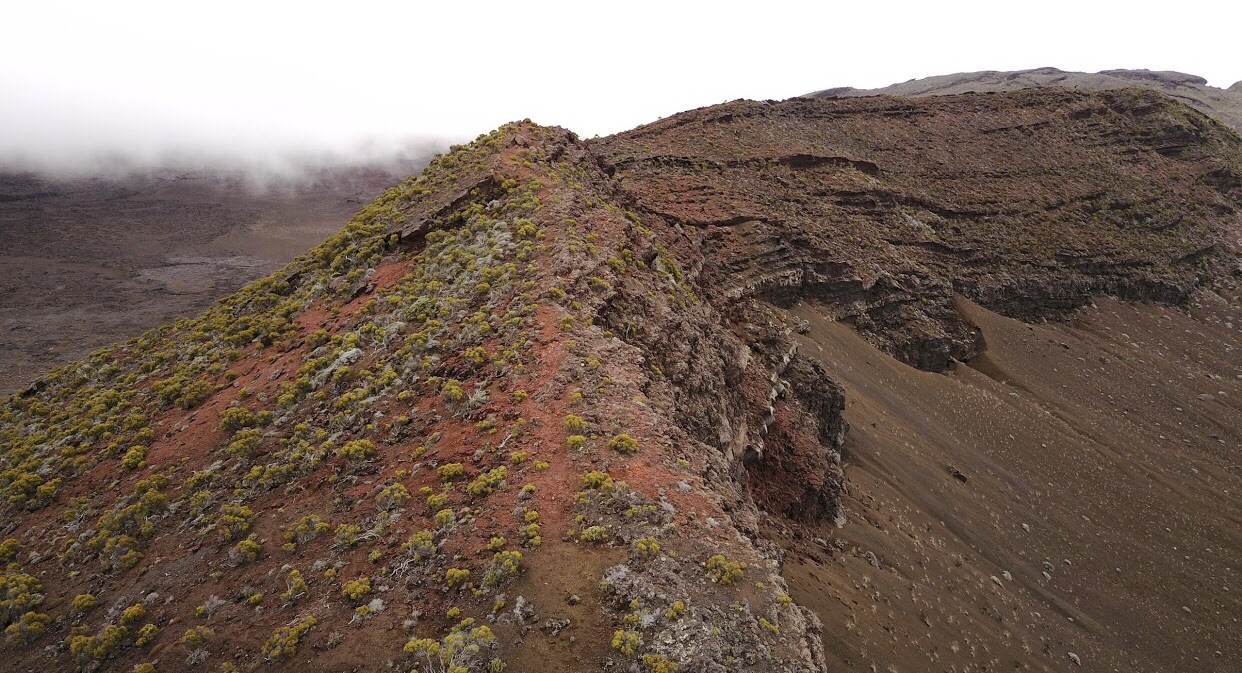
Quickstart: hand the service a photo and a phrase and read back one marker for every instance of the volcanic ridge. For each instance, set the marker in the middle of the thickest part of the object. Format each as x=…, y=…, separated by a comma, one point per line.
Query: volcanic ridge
x=582, y=404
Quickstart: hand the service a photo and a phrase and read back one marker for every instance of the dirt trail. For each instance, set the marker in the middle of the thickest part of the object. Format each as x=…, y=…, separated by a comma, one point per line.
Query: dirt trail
x=1102, y=452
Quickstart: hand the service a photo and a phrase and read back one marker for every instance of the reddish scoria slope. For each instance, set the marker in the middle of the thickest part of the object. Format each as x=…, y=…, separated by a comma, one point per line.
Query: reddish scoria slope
x=428, y=442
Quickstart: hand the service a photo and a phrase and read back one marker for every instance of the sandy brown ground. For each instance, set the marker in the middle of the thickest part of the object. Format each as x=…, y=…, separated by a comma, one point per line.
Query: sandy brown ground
x=1102, y=452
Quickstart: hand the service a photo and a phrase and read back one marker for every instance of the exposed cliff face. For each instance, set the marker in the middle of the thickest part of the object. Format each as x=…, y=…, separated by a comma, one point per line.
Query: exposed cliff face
x=1225, y=105
x=546, y=401
x=883, y=208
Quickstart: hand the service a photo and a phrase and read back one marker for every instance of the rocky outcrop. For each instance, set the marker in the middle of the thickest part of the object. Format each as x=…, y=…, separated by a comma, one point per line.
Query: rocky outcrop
x=1028, y=202
x=1223, y=104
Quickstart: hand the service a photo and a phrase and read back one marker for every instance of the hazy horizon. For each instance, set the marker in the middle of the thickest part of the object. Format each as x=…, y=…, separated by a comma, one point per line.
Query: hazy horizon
x=276, y=87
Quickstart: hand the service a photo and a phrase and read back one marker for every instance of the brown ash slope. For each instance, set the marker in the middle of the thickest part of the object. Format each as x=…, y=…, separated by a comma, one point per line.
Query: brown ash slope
x=91, y=260
x=1099, y=449
x=1071, y=490
x=556, y=401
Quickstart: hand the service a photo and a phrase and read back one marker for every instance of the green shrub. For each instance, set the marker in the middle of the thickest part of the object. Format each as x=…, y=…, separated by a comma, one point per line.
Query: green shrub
x=133, y=614
x=623, y=443
x=475, y=355
x=347, y=534
x=420, y=546
x=233, y=419
x=133, y=459
x=284, y=641
x=296, y=586
x=488, y=481
x=458, y=652
x=146, y=635
x=725, y=571
x=627, y=642
x=505, y=564
x=244, y=442
x=594, y=534
x=356, y=589
x=455, y=576
x=450, y=471
x=248, y=550
x=304, y=530
x=575, y=424
x=647, y=546
x=82, y=604
x=29, y=626
x=445, y=517
x=393, y=496
x=9, y=549
x=357, y=450
x=453, y=391
x=19, y=593
x=596, y=480
x=234, y=520
x=658, y=663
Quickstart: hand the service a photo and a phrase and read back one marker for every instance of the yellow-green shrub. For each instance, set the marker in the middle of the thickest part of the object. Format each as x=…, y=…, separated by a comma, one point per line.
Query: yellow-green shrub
x=647, y=546
x=357, y=450
x=356, y=589
x=133, y=458
x=596, y=480
x=623, y=443
x=392, y=497
x=575, y=424
x=725, y=571
x=82, y=603
x=450, y=471
x=284, y=641
x=488, y=481
x=296, y=585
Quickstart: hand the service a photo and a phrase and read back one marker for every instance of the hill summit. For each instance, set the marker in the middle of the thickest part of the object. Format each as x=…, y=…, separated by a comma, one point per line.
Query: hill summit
x=547, y=402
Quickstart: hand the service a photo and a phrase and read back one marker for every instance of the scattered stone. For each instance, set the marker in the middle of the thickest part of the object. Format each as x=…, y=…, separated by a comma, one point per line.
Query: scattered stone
x=554, y=626
x=523, y=611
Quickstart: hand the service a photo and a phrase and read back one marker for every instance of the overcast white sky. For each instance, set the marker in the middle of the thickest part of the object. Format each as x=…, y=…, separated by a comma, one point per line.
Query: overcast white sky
x=78, y=79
